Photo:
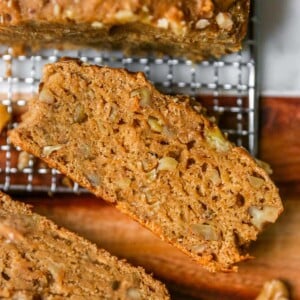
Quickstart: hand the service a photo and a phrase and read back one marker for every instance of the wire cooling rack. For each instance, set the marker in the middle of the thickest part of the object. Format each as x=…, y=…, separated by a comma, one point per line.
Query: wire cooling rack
x=226, y=86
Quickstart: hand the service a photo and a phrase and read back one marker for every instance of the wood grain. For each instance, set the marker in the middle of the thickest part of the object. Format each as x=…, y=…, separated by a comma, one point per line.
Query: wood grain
x=280, y=137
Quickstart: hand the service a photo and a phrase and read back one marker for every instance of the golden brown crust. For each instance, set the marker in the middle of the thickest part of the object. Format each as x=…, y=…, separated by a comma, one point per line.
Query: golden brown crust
x=195, y=29
x=157, y=157
x=41, y=260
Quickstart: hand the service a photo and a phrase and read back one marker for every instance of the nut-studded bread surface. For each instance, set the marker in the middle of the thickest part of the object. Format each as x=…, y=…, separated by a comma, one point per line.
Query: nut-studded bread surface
x=39, y=260
x=157, y=157
x=191, y=28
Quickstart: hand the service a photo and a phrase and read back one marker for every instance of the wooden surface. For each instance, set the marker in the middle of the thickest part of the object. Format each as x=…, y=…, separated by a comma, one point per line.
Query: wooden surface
x=280, y=138
x=277, y=252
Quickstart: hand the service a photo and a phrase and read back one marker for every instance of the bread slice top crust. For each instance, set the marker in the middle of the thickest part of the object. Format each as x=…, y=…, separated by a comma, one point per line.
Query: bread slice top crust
x=39, y=260
x=193, y=29
x=157, y=157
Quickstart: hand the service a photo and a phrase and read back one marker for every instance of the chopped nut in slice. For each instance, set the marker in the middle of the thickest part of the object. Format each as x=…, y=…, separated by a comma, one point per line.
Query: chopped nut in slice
x=145, y=8
x=4, y=117
x=123, y=183
x=167, y=164
x=97, y=25
x=224, y=21
x=56, y=10
x=69, y=13
x=47, y=150
x=175, y=18
x=206, y=231
x=265, y=166
x=10, y=233
x=260, y=217
x=216, y=139
x=256, y=182
x=152, y=175
x=46, y=96
x=79, y=114
x=214, y=176
x=111, y=111
x=85, y=151
x=149, y=163
x=198, y=108
x=125, y=16
x=57, y=271
x=163, y=23
x=155, y=124
x=133, y=294
x=198, y=249
x=274, y=290
x=93, y=178
x=23, y=160
x=144, y=94
x=169, y=131
x=202, y=23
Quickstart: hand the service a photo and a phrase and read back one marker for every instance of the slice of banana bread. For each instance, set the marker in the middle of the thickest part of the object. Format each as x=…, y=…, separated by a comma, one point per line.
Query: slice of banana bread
x=157, y=157
x=39, y=260
x=194, y=29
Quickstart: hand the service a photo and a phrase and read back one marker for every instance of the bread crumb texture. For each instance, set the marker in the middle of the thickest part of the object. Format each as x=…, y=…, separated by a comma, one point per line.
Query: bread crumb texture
x=194, y=29
x=157, y=157
x=39, y=260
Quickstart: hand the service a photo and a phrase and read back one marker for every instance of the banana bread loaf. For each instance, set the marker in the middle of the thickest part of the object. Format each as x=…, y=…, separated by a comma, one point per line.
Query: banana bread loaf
x=38, y=260
x=157, y=157
x=191, y=28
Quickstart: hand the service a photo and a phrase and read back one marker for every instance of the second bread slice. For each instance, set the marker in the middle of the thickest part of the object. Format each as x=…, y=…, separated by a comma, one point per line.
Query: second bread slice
x=157, y=157
x=39, y=260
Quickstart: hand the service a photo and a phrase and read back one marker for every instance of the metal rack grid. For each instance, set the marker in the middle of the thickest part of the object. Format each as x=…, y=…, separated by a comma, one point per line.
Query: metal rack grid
x=226, y=86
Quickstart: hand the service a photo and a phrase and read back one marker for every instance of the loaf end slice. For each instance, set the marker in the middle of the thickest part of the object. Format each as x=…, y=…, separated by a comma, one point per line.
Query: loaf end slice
x=157, y=157
x=39, y=260
x=192, y=29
